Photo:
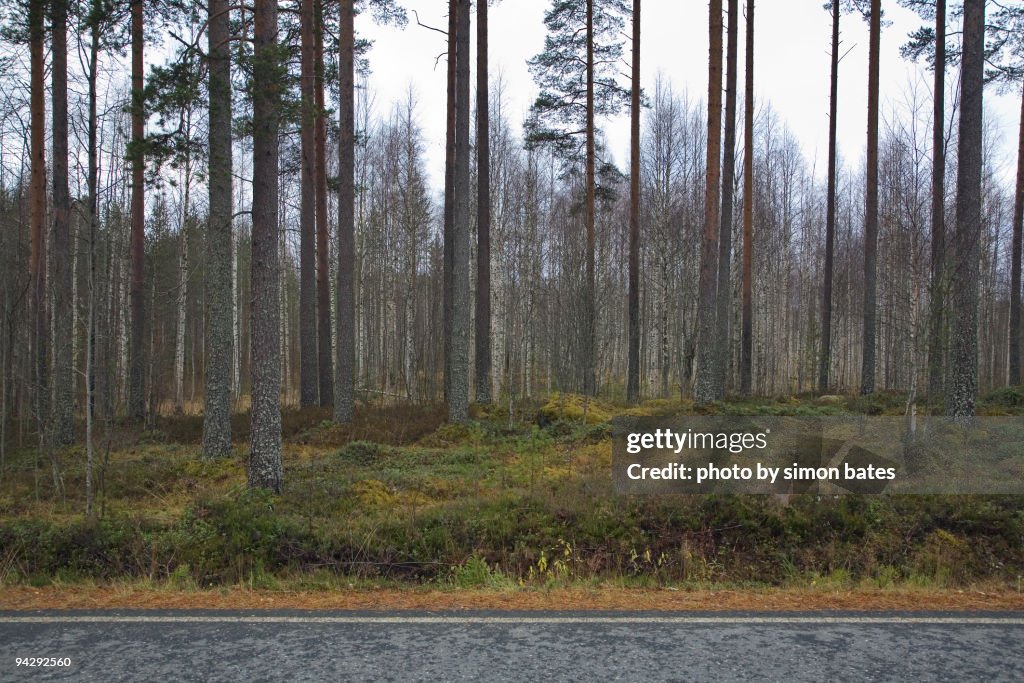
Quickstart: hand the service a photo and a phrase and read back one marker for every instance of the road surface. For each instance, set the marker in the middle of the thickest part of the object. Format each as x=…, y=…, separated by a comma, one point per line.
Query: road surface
x=512, y=646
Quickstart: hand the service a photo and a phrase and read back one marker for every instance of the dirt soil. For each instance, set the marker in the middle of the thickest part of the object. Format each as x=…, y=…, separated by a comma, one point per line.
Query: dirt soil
x=666, y=599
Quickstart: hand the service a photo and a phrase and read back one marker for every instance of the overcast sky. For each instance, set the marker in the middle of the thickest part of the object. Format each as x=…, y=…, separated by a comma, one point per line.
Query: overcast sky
x=791, y=69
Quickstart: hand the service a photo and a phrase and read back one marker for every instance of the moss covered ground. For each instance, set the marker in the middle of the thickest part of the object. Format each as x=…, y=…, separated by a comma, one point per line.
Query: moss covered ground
x=401, y=500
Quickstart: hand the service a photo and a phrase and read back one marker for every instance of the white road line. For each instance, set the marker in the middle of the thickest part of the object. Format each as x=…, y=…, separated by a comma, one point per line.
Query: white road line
x=477, y=620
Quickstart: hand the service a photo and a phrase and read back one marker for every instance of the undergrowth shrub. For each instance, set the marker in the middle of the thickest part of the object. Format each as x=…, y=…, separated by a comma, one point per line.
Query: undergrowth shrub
x=476, y=573
x=362, y=452
x=1005, y=397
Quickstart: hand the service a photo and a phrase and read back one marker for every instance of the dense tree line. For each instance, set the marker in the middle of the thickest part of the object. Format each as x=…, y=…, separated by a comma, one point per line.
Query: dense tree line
x=247, y=227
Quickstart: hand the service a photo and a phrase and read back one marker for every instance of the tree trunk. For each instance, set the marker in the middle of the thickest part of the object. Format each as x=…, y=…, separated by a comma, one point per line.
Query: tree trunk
x=483, y=209
x=747, y=340
x=825, y=361
x=179, y=331
x=633, y=369
x=706, y=390
x=867, y=376
x=449, y=198
x=937, y=336
x=724, y=300
x=236, y=321
x=90, y=336
x=285, y=328
x=136, y=355
x=220, y=296
x=37, y=215
x=344, y=367
x=182, y=312
x=411, y=390
x=265, y=467
x=1018, y=229
x=963, y=388
x=458, y=400
x=63, y=283
x=325, y=363
x=589, y=295
x=308, y=383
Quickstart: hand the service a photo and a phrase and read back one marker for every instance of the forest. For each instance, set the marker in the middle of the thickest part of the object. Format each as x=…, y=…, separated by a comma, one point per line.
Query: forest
x=233, y=246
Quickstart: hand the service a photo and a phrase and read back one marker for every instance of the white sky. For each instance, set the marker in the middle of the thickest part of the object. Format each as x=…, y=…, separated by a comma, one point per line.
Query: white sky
x=791, y=69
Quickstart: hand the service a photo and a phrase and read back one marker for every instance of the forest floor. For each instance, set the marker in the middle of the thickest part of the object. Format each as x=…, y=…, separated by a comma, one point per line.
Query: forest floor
x=400, y=510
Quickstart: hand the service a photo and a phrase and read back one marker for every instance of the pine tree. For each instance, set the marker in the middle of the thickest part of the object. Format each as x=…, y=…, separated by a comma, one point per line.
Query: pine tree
x=918, y=45
x=747, y=334
x=577, y=74
x=868, y=364
x=936, y=325
x=724, y=298
x=458, y=384
x=63, y=371
x=308, y=357
x=219, y=337
x=449, y=197
x=1015, y=259
x=37, y=213
x=633, y=362
x=325, y=353
x=825, y=360
x=136, y=354
x=265, y=465
x=707, y=389
x=963, y=389
x=345, y=341
x=482, y=319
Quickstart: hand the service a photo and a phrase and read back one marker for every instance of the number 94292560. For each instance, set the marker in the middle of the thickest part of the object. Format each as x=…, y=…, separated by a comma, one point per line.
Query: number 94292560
x=42, y=661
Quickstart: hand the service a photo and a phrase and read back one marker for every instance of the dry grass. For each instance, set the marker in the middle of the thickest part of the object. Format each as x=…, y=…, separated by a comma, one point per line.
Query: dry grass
x=975, y=598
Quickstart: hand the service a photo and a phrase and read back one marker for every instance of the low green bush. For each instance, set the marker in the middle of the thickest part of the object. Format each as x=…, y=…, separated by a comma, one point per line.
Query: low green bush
x=1006, y=397
x=362, y=452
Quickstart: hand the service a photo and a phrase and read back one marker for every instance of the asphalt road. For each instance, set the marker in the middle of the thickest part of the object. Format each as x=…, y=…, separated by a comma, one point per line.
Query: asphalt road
x=494, y=646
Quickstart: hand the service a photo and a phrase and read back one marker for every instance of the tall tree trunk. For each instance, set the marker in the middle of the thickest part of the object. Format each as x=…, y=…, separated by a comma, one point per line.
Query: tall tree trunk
x=483, y=212
x=724, y=300
x=747, y=339
x=867, y=375
x=93, y=187
x=220, y=296
x=136, y=355
x=308, y=383
x=706, y=325
x=63, y=284
x=37, y=213
x=285, y=328
x=182, y=317
x=589, y=295
x=265, y=467
x=449, y=197
x=41, y=324
x=963, y=388
x=633, y=363
x=150, y=422
x=323, y=273
x=344, y=366
x=458, y=399
x=1018, y=233
x=825, y=361
x=179, y=331
x=936, y=322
